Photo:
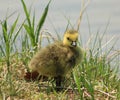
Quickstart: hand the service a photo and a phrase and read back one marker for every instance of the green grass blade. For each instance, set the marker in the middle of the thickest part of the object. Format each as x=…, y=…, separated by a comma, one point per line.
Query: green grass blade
x=13, y=28
x=32, y=36
x=2, y=51
x=41, y=21
x=26, y=13
x=78, y=83
x=6, y=41
x=90, y=88
x=33, y=22
x=17, y=33
x=4, y=30
x=30, y=27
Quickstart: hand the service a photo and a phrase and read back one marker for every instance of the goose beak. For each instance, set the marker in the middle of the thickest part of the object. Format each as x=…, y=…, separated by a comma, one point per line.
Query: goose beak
x=74, y=43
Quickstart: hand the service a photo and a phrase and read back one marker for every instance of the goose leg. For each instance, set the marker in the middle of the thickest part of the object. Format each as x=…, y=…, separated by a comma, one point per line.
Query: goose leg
x=58, y=80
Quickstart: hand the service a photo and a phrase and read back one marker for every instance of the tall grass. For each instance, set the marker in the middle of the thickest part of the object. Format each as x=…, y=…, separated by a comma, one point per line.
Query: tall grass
x=9, y=38
x=33, y=31
x=95, y=77
x=7, y=50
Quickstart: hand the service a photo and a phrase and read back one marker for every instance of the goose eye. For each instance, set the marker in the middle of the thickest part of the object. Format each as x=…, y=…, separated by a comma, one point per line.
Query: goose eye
x=68, y=38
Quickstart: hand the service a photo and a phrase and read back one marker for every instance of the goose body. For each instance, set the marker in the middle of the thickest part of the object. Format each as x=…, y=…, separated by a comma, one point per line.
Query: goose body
x=57, y=59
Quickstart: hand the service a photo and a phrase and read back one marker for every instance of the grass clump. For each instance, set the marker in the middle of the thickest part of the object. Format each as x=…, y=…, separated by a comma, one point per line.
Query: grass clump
x=8, y=40
x=33, y=32
x=94, y=79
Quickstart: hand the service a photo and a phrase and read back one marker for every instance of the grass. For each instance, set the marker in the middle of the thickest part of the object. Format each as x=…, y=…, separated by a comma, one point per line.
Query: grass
x=7, y=47
x=30, y=25
x=93, y=79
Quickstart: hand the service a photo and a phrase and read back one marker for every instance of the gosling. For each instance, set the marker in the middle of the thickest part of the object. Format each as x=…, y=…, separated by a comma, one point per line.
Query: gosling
x=57, y=59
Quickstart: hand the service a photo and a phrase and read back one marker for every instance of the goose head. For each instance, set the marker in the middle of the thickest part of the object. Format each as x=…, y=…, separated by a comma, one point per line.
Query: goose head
x=70, y=38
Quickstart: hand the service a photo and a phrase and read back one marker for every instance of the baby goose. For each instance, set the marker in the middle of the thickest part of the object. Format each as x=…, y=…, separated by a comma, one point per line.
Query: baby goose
x=57, y=59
